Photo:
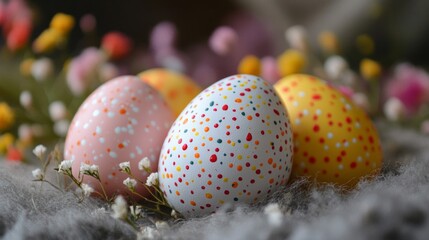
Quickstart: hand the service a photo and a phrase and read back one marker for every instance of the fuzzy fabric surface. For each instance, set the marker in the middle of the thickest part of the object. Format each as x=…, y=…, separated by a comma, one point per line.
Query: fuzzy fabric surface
x=393, y=206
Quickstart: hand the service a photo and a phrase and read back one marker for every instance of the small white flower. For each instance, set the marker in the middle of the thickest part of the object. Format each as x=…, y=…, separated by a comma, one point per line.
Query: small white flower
x=150, y=233
x=144, y=164
x=152, y=180
x=135, y=210
x=125, y=167
x=26, y=99
x=39, y=151
x=130, y=183
x=174, y=214
x=57, y=111
x=25, y=133
x=108, y=71
x=85, y=168
x=296, y=36
x=94, y=168
x=161, y=225
x=38, y=174
x=120, y=208
x=394, y=109
x=42, y=69
x=65, y=166
x=361, y=100
x=87, y=190
x=61, y=127
x=335, y=66
x=274, y=214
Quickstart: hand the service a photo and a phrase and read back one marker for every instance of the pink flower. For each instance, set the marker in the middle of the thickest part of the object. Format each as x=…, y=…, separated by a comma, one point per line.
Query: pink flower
x=223, y=40
x=270, y=72
x=410, y=85
x=83, y=70
x=116, y=44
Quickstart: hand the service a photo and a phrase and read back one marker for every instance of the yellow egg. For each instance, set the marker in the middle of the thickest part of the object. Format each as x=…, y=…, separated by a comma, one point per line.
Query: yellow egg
x=177, y=89
x=334, y=140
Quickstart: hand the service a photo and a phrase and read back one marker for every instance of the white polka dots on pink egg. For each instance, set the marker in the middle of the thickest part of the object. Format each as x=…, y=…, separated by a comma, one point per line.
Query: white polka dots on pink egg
x=123, y=120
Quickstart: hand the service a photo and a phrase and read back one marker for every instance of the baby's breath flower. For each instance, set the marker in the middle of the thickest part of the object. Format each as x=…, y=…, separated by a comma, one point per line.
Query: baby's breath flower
x=91, y=170
x=335, y=66
x=119, y=207
x=65, y=166
x=152, y=180
x=87, y=190
x=296, y=36
x=125, y=167
x=174, y=214
x=42, y=69
x=57, y=111
x=37, y=174
x=25, y=133
x=61, y=127
x=144, y=164
x=39, y=151
x=394, y=109
x=274, y=214
x=250, y=64
x=135, y=210
x=161, y=225
x=26, y=99
x=130, y=183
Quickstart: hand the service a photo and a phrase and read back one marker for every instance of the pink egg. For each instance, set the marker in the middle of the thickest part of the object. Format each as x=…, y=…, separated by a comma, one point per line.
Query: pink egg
x=123, y=120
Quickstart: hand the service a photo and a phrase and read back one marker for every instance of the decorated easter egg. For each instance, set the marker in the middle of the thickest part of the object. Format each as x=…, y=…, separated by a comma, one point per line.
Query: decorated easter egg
x=334, y=140
x=124, y=120
x=231, y=144
x=177, y=89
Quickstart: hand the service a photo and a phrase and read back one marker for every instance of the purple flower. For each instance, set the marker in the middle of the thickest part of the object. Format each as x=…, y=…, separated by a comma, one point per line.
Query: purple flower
x=410, y=85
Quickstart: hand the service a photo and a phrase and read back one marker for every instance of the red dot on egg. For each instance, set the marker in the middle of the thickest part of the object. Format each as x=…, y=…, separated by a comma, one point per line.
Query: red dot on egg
x=213, y=158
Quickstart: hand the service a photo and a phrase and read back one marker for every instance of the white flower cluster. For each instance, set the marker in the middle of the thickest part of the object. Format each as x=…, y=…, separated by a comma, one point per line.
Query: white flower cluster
x=39, y=151
x=152, y=180
x=120, y=208
x=130, y=183
x=65, y=166
x=87, y=169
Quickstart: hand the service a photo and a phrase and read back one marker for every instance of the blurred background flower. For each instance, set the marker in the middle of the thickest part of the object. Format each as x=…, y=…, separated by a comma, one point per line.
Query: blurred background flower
x=54, y=53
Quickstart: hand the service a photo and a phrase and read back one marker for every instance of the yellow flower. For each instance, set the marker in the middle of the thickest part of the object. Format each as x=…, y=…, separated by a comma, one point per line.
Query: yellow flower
x=290, y=62
x=370, y=69
x=329, y=42
x=7, y=116
x=25, y=67
x=48, y=40
x=250, y=64
x=63, y=23
x=6, y=140
x=365, y=44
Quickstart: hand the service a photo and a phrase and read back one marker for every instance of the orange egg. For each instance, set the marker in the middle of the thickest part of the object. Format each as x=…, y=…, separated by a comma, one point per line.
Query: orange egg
x=334, y=140
x=177, y=89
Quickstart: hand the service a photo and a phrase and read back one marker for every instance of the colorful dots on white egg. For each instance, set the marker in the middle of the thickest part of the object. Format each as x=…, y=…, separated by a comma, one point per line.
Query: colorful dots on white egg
x=123, y=120
x=334, y=140
x=231, y=144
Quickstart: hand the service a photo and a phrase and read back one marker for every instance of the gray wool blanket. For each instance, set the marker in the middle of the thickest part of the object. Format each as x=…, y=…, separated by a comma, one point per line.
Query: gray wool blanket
x=394, y=206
